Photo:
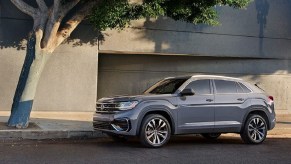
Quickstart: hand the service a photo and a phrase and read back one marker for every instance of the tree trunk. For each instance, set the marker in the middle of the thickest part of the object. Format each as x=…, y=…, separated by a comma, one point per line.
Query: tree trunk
x=34, y=63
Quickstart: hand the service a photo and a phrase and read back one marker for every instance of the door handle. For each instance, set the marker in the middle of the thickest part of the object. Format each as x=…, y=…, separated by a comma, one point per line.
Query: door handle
x=209, y=100
x=240, y=99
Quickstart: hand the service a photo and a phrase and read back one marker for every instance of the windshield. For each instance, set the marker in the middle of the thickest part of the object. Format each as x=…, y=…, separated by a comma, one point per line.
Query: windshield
x=167, y=86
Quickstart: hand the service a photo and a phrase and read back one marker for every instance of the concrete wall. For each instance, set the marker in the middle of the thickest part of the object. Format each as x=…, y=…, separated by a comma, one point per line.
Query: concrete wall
x=263, y=30
x=254, y=44
x=132, y=74
x=69, y=81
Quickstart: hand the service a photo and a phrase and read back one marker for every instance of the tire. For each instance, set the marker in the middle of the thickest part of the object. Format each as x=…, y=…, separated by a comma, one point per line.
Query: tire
x=211, y=136
x=254, y=130
x=155, y=131
x=117, y=138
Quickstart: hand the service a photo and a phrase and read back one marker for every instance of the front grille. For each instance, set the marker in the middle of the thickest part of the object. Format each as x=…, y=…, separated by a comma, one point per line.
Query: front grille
x=106, y=108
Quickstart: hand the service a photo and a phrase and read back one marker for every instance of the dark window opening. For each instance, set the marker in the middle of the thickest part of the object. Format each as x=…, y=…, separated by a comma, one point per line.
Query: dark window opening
x=200, y=87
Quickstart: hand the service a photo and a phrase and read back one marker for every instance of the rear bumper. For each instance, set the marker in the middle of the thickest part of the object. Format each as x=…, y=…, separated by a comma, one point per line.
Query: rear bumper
x=272, y=124
x=272, y=118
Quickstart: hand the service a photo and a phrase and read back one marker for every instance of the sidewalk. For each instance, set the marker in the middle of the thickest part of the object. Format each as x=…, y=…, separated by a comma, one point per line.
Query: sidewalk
x=54, y=125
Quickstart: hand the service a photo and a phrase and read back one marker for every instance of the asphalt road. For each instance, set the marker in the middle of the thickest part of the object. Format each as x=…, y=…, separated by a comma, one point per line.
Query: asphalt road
x=181, y=149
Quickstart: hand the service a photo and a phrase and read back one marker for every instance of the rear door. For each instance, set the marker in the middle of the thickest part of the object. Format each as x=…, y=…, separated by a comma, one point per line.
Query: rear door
x=230, y=104
x=196, y=112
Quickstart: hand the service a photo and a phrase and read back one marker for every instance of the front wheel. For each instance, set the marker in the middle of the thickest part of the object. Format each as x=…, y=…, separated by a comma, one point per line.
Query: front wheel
x=255, y=130
x=155, y=131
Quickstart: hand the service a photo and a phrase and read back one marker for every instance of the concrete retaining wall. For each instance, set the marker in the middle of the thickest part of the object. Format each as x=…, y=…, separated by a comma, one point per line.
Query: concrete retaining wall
x=132, y=74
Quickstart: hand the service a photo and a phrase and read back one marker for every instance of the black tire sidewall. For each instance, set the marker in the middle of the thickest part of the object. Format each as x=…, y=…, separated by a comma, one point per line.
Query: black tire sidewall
x=246, y=136
x=142, y=136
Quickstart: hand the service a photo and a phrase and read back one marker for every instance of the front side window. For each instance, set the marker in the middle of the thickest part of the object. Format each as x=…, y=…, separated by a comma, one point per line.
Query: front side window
x=167, y=86
x=200, y=87
x=224, y=86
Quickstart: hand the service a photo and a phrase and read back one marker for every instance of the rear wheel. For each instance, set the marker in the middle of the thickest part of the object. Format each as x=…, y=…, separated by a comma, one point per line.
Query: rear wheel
x=211, y=136
x=255, y=130
x=155, y=131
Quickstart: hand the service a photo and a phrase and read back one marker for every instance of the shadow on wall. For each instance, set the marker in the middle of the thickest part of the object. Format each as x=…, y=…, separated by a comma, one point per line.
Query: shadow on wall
x=161, y=40
x=251, y=32
x=14, y=34
x=15, y=26
x=262, y=7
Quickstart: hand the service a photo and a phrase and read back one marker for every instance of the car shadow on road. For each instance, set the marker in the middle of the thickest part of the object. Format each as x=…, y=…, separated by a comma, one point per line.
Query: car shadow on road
x=188, y=141
x=284, y=122
x=181, y=140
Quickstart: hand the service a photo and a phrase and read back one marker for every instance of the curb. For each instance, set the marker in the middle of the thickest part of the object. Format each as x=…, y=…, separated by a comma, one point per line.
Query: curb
x=39, y=135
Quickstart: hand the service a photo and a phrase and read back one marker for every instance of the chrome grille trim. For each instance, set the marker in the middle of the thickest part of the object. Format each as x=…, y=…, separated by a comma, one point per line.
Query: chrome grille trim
x=106, y=108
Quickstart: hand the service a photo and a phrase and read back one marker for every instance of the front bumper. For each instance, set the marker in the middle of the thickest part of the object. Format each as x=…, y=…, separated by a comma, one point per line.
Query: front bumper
x=117, y=125
x=112, y=123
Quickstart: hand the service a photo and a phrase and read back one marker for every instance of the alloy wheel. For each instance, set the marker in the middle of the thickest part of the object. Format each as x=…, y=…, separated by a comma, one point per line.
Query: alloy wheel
x=257, y=129
x=156, y=131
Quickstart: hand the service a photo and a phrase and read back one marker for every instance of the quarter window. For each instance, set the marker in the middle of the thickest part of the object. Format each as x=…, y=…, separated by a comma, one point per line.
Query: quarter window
x=200, y=86
x=223, y=86
x=245, y=89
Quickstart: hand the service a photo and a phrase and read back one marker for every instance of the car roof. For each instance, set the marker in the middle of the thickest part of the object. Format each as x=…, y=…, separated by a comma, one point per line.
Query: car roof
x=216, y=77
x=206, y=77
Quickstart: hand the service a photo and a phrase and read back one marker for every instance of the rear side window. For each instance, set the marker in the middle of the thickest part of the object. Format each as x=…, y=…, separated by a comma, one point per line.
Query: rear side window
x=245, y=89
x=224, y=86
x=200, y=87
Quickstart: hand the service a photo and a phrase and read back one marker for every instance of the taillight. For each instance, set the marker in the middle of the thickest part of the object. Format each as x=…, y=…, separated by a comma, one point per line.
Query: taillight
x=271, y=98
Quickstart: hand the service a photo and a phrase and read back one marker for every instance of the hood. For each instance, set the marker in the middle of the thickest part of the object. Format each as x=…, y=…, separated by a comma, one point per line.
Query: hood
x=119, y=98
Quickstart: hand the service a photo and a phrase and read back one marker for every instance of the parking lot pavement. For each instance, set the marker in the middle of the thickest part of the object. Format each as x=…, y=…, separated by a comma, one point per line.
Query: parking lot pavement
x=180, y=149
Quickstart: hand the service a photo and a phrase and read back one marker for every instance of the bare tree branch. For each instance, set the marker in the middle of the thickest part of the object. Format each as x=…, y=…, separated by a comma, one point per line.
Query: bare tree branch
x=25, y=8
x=40, y=21
x=75, y=20
x=42, y=5
x=67, y=7
x=56, y=8
x=38, y=36
x=52, y=24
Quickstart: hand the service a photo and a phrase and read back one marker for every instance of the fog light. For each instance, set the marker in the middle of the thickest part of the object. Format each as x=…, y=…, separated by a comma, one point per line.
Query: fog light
x=121, y=125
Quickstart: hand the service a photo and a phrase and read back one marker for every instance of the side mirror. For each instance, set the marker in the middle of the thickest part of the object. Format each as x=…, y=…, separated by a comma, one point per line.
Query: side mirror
x=187, y=92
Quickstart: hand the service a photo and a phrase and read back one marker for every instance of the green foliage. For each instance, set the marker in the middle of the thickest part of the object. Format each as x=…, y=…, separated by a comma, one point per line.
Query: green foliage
x=119, y=13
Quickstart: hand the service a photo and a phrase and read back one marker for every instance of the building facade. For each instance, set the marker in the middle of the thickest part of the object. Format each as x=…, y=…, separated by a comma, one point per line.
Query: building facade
x=253, y=44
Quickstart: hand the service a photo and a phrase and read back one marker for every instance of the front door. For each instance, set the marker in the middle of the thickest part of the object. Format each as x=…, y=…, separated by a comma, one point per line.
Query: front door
x=196, y=112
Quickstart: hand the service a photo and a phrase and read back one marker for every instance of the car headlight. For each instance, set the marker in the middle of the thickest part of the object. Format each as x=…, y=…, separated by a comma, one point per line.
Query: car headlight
x=126, y=105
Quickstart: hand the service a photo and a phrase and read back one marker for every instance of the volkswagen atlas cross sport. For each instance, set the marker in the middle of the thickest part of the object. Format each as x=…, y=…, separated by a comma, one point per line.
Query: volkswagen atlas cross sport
x=203, y=104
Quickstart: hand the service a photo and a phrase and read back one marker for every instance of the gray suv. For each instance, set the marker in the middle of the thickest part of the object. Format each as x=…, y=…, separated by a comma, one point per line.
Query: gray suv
x=204, y=104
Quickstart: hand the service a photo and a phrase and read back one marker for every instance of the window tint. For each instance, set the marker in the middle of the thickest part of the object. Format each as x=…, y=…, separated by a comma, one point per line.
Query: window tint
x=223, y=86
x=168, y=86
x=200, y=86
x=245, y=89
x=239, y=88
